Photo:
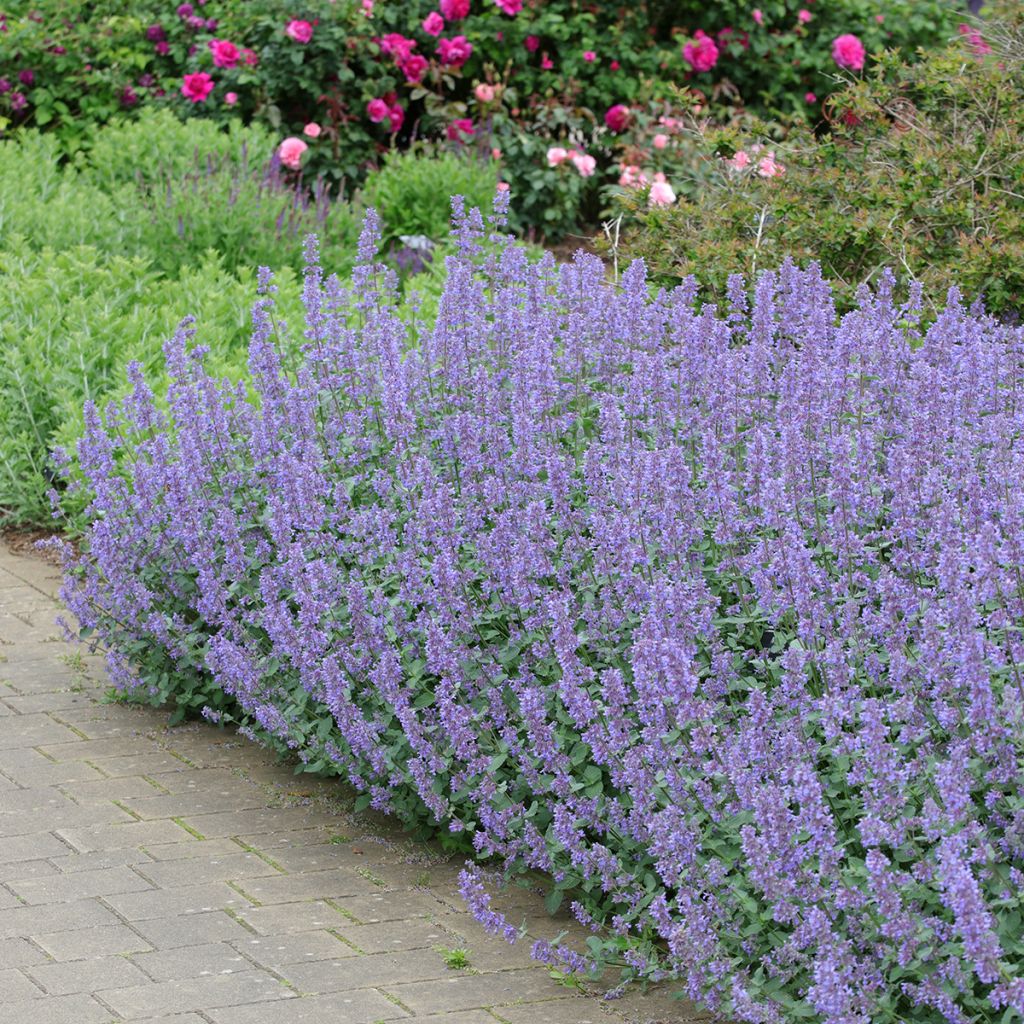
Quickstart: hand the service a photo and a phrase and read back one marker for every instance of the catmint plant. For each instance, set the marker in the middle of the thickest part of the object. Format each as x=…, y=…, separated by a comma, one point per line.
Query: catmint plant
x=713, y=616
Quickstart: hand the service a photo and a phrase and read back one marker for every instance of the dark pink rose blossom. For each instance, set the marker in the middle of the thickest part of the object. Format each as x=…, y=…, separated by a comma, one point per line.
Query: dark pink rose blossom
x=617, y=117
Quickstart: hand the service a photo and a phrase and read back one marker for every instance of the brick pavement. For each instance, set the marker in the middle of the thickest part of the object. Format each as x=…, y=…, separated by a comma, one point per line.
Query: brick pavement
x=183, y=876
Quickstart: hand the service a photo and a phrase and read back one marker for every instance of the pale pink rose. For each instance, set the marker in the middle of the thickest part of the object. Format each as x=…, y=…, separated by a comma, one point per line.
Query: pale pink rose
x=757, y=15
x=291, y=151
x=484, y=92
x=661, y=193
x=803, y=15
x=848, y=52
x=312, y=130
x=632, y=177
x=879, y=18
x=495, y=153
x=660, y=141
x=556, y=155
x=433, y=24
x=502, y=186
x=586, y=165
x=368, y=8
x=768, y=168
x=231, y=98
x=300, y=31
x=740, y=159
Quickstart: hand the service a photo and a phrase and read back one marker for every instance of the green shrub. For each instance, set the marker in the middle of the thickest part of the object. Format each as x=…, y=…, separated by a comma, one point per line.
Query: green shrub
x=412, y=191
x=921, y=173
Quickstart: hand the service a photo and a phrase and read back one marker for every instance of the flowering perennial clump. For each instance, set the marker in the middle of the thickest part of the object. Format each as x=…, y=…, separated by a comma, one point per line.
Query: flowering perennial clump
x=714, y=617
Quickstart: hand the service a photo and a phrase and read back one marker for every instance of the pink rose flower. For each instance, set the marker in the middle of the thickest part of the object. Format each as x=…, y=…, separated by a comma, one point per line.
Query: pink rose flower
x=367, y=6
x=767, y=166
x=163, y=47
x=661, y=193
x=377, y=110
x=502, y=186
x=615, y=65
x=589, y=56
x=974, y=40
x=632, y=177
x=660, y=141
x=583, y=163
x=225, y=54
x=757, y=15
x=701, y=54
x=484, y=92
x=532, y=43
x=510, y=7
x=396, y=116
x=454, y=10
x=848, y=52
x=617, y=117
x=809, y=97
x=803, y=15
x=556, y=154
x=300, y=31
x=459, y=127
x=290, y=152
x=250, y=57
x=312, y=130
x=197, y=87
x=740, y=159
x=546, y=63
x=414, y=68
x=495, y=153
x=454, y=52
x=231, y=98
x=433, y=24
x=394, y=44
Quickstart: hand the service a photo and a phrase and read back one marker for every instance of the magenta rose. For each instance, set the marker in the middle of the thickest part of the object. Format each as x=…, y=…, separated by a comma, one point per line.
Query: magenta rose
x=702, y=53
x=510, y=7
x=454, y=10
x=197, y=87
x=225, y=54
x=300, y=31
x=617, y=117
x=454, y=52
x=414, y=67
x=396, y=115
x=848, y=52
x=433, y=24
x=377, y=110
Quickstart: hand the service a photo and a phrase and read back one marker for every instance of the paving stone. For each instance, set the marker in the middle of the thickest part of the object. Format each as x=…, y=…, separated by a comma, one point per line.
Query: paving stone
x=287, y=918
x=296, y=839
x=178, y=1018
x=155, y=763
x=394, y=936
x=34, y=731
x=91, y=750
x=31, y=847
x=29, y=768
x=250, y=822
x=376, y=971
x=80, y=884
x=364, y=1007
x=25, y=869
x=463, y=1017
x=77, y=1009
x=131, y=834
x=15, y=987
x=44, y=798
x=101, y=791
x=107, y=940
x=562, y=1011
x=197, y=961
x=194, y=849
x=392, y=906
x=20, y=952
x=206, y=994
x=60, y=817
x=299, y=888
x=190, y=899
x=468, y=991
x=31, y=921
x=191, y=929
x=278, y=951
x=201, y=802
x=56, y=700
x=98, y=859
x=89, y=976
x=241, y=867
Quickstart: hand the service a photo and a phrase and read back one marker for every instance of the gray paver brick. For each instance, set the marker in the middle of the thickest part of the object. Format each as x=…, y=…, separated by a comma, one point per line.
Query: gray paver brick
x=191, y=929
x=394, y=936
x=193, y=848
x=132, y=834
x=378, y=970
x=277, y=951
x=193, y=961
x=33, y=731
x=467, y=991
x=80, y=884
x=15, y=987
x=244, y=867
x=391, y=906
x=364, y=1007
x=186, y=899
x=31, y=921
x=88, y=976
x=31, y=847
x=287, y=918
x=19, y=952
x=167, y=997
x=77, y=1009
x=563, y=1011
x=106, y=940
x=296, y=888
